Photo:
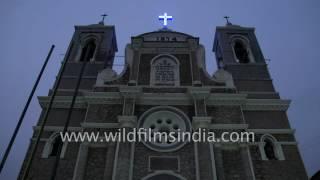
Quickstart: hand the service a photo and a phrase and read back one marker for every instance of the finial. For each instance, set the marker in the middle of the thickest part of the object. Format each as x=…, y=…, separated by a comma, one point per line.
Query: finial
x=103, y=17
x=227, y=19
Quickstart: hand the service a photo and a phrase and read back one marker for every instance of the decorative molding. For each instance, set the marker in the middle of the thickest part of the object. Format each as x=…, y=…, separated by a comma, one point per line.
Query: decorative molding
x=130, y=91
x=57, y=128
x=272, y=131
x=127, y=121
x=213, y=162
x=100, y=125
x=228, y=126
x=225, y=99
x=213, y=99
x=41, y=139
x=201, y=122
x=62, y=102
x=266, y=104
x=199, y=92
x=49, y=144
x=103, y=98
x=277, y=148
x=278, y=142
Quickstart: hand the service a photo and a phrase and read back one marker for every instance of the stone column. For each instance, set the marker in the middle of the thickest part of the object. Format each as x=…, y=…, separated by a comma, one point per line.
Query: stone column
x=204, y=152
x=134, y=68
x=123, y=165
x=80, y=168
x=247, y=163
x=193, y=45
x=219, y=162
x=109, y=161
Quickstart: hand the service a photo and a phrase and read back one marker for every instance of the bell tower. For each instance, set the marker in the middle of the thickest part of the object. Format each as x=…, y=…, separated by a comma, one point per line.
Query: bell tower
x=276, y=154
x=98, y=42
x=92, y=47
x=238, y=52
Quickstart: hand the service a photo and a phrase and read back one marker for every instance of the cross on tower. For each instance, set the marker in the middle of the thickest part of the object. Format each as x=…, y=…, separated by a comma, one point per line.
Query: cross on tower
x=227, y=18
x=165, y=19
x=103, y=17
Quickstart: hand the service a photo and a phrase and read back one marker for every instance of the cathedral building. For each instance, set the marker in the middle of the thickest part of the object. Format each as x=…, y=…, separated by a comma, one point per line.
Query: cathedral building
x=165, y=86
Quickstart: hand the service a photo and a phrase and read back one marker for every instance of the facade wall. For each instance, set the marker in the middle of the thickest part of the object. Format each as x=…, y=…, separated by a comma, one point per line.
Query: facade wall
x=197, y=161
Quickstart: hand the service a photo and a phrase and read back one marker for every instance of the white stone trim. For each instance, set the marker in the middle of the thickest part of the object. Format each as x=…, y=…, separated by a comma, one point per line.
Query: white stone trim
x=250, y=163
x=57, y=128
x=277, y=147
x=284, y=143
x=130, y=91
x=79, y=169
x=115, y=162
x=100, y=125
x=272, y=131
x=266, y=104
x=48, y=146
x=201, y=122
x=213, y=99
x=41, y=139
x=62, y=102
x=199, y=92
x=133, y=144
x=213, y=162
x=228, y=126
x=127, y=121
x=196, y=160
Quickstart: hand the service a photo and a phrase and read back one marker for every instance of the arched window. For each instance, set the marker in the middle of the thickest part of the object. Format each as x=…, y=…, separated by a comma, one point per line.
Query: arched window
x=52, y=146
x=241, y=52
x=241, y=49
x=88, y=51
x=165, y=71
x=270, y=149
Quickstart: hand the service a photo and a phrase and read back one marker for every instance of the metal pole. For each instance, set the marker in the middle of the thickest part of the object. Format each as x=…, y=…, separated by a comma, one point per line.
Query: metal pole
x=56, y=86
x=16, y=130
x=75, y=94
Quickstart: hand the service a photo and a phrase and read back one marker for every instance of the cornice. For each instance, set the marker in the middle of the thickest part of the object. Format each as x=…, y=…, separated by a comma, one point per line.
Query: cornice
x=212, y=99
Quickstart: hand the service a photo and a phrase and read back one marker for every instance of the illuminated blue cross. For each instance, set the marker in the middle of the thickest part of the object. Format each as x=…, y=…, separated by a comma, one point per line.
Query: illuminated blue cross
x=165, y=19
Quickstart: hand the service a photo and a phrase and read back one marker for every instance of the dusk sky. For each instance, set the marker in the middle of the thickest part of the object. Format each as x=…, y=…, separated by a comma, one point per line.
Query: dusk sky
x=287, y=30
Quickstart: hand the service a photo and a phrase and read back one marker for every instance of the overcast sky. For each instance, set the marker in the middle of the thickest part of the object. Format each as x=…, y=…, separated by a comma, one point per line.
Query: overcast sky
x=287, y=31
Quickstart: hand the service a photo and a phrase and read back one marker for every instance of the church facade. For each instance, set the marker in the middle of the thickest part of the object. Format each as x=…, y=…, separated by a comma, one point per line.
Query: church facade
x=164, y=86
